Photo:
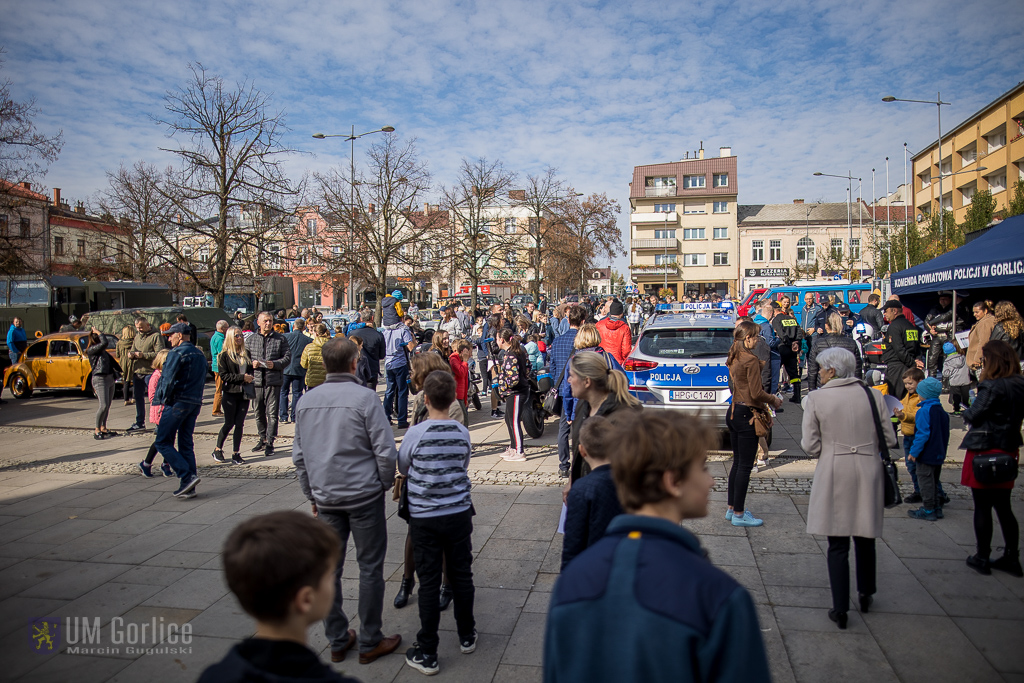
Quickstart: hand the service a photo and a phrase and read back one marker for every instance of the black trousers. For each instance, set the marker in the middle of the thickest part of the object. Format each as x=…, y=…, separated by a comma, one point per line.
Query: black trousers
x=235, y=407
x=839, y=569
x=985, y=500
x=744, y=450
x=513, y=411
x=437, y=541
x=791, y=361
x=894, y=378
x=960, y=396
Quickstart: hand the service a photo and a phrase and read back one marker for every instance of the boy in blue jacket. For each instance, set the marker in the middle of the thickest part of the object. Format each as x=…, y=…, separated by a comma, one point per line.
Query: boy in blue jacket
x=644, y=603
x=931, y=439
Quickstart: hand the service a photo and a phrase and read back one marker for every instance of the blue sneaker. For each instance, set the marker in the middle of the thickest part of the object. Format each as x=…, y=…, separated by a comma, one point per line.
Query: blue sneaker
x=147, y=469
x=728, y=515
x=187, y=484
x=921, y=513
x=166, y=470
x=746, y=520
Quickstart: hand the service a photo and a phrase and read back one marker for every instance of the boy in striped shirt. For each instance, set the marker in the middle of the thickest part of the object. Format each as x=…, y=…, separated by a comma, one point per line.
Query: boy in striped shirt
x=435, y=455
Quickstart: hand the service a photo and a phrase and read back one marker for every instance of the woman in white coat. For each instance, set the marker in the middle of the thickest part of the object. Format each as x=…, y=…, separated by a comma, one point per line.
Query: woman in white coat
x=847, y=495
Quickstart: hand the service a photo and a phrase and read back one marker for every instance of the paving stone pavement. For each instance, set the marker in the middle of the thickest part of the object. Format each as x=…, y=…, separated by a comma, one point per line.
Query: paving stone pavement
x=113, y=546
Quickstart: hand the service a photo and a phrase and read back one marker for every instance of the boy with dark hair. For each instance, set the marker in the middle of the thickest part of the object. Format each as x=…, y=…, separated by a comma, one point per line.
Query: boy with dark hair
x=592, y=502
x=435, y=456
x=281, y=567
x=644, y=602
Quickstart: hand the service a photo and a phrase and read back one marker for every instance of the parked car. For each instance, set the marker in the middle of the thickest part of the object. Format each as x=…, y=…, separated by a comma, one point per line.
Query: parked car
x=54, y=361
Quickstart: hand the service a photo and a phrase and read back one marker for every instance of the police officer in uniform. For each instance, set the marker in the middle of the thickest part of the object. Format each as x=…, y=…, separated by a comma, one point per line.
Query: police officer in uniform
x=789, y=332
x=901, y=347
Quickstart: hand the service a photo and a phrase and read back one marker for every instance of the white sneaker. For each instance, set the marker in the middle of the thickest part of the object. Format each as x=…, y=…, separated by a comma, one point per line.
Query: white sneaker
x=515, y=456
x=761, y=463
x=753, y=470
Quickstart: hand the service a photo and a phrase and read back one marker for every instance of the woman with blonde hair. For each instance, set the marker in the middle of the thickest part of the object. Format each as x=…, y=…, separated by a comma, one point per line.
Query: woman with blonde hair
x=235, y=367
x=589, y=339
x=441, y=346
x=598, y=390
x=312, y=358
x=1010, y=328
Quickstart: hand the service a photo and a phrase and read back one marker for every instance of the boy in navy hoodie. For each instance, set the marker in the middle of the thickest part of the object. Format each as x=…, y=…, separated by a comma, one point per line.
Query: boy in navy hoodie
x=931, y=439
x=280, y=566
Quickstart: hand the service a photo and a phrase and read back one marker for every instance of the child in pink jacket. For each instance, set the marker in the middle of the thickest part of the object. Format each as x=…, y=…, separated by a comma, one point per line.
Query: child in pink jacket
x=146, y=466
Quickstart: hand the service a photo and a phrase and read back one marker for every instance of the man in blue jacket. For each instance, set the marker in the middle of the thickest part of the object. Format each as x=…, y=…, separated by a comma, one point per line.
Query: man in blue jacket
x=17, y=340
x=561, y=350
x=180, y=392
x=294, y=373
x=644, y=603
x=764, y=319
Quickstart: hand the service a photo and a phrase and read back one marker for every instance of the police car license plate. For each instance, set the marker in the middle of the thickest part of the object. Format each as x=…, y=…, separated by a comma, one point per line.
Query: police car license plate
x=692, y=395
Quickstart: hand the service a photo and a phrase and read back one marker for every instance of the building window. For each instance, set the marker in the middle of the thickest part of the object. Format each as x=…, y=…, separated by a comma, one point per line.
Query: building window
x=510, y=258
x=693, y=182
x=664, y=259
x=120, y=252
x=26, y=228
x=695, y=259
x=721, y=207
x=510, y=226
x=996, y=183
x=836, y=249
x=693, y=233
x=946, y=167
x=427, y=256
x=805, y=250
x=926, y=179
x=81, y=247
x=947, y=202
x=995, y=141
x=757, y=250
x=203, y=256
x=301, y=256
x=661, y=181
x=3, y=225
x=102, y=250
x=664, y=234
x=274, y=256
x=664, y=208
x=721, y=258
x=58, y=246
x=532, y=225
x=774, y=250
x=694, y=207
x=311, y=227
x=721, y=180
x=721, y=233
x=855, y=249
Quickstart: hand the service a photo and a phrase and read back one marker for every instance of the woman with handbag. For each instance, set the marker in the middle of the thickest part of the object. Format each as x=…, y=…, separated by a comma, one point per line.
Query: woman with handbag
x=993, y=444
x=842, y=430
x=235, y=367
x=749, y=400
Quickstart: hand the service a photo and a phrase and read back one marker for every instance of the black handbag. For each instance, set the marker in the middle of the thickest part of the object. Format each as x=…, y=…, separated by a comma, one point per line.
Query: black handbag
x=893, y=497
x=553, y=399
x=994, y=468
x=402, y=484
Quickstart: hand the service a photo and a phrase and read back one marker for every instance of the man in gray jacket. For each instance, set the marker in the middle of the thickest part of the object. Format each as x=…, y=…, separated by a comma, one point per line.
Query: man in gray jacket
x=344, y=455
x=270, y=356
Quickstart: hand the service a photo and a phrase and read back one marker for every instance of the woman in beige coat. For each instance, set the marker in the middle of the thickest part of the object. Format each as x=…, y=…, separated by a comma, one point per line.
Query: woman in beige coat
x=847, y=495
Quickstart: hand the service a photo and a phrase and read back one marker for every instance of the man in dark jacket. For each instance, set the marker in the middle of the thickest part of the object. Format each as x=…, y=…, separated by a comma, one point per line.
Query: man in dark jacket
x=270, y=356
x=940, y=323
x=294, y=373
x=787, y=329
x=901, y=347
x=180, y=392
x=374, y=348
x=872, y=316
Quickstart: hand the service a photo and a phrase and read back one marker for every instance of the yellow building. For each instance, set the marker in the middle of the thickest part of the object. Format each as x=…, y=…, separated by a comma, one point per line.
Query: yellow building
x=992, y=139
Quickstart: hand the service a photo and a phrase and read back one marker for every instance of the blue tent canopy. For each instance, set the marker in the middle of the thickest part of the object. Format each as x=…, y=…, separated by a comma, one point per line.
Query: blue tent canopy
x=994, y=260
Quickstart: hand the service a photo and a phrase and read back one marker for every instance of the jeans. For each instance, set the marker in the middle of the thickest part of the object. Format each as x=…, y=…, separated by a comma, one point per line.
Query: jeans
x=235, y=408
x=103, y=385
x=368, y=526
x=986, y=500
x=438, y=540
x=776, y=364
x=296, y=383
x=178, y=421
x=839, y=569
x=744, y=450
x=266, y=412
x=140, y=387
x=564, y=452
x=396, y=395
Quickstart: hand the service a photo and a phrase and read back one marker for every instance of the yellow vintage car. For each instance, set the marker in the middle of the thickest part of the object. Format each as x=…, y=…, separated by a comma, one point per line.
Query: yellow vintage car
x=54, y=361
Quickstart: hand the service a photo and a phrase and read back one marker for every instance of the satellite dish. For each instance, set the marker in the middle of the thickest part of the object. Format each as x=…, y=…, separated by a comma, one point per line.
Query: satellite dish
x=920, y=217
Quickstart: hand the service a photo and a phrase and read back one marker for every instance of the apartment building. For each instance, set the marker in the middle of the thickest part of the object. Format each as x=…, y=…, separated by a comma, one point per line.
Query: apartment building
x=683, y=225
x=983, y=152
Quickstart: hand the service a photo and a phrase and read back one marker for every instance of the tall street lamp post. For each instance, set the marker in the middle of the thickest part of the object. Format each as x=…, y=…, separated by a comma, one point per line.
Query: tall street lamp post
x=938, y=104
x=352, y=137
x=849, y=208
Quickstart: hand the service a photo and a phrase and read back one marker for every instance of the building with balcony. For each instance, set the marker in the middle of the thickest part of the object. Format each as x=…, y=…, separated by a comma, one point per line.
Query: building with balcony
x=991, y=139
x=780, y=243
x=683, y=226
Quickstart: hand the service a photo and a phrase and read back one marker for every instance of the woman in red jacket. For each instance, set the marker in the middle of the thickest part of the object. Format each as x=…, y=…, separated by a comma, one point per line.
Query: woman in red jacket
x=459, y=360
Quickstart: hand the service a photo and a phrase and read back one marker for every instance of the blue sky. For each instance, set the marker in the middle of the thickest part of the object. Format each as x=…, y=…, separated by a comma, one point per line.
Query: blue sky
x=591, y=88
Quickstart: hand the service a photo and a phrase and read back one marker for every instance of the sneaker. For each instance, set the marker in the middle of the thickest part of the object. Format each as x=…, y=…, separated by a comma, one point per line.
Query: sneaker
x=979, y=564
x=914, y=497
x=761, y=463
x=187, y=484
x=282, y=420
x=921, y=513
x=188, y=496
x=136, y=428
x=236, y=459
x=218, y=455
x=147, y=469
x=421, y=661
x=262, y=445
x=956, y=413
x=166, y=470
x=746, y=520
x=403, y=425
x=468, y=644
x=514, y=456
x=269, y=450
x=563, y=474
x=753, y=469
x=497, y=414
x=728, y=515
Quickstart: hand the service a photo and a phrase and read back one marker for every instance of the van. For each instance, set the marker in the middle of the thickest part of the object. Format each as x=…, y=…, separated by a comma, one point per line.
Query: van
x=854, y=294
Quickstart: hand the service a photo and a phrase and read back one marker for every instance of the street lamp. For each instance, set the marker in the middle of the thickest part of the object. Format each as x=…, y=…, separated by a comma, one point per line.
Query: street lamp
x=849, y=208
x=938, y=104
x=352, y=137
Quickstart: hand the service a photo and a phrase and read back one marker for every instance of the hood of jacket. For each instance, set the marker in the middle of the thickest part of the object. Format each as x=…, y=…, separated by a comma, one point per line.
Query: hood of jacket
x=613, y=323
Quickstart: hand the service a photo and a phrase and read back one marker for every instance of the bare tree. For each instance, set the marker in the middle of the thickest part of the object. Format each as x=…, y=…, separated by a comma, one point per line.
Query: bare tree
x=542, y=192
x=232, y=155
x=24, y=155
x=373, y=222
x=475, y=203
x=585, y=232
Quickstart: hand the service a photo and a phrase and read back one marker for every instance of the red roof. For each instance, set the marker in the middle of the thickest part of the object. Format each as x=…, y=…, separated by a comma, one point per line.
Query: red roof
x=19, y=191
x=896, y=214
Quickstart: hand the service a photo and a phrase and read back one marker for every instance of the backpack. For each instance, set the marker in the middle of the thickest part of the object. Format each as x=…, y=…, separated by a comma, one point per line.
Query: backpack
x=508, y=375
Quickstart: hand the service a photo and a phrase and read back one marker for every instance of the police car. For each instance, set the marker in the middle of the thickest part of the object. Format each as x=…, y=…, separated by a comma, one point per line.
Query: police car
x=678, y=362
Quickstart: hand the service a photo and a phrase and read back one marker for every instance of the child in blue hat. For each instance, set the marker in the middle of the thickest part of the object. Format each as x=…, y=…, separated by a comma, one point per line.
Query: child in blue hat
x=931, y=439
x=958, y=376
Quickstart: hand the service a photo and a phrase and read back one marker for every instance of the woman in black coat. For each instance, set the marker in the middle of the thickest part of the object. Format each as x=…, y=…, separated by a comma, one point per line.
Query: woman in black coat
x=833, y=337
x=104, y=379
x=236, y=374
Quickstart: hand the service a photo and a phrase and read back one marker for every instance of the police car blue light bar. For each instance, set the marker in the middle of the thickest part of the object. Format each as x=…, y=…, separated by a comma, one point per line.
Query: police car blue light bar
x=705, y=306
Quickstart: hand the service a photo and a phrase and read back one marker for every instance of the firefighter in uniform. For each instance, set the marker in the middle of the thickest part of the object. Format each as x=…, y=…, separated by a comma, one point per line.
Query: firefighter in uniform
x=901, y=347
x=789, y=332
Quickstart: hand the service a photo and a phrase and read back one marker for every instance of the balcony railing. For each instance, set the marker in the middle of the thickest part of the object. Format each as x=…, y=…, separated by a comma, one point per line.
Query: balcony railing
x=644, y=270
x=670, y=244
x=660, y=191
x=654, y=217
